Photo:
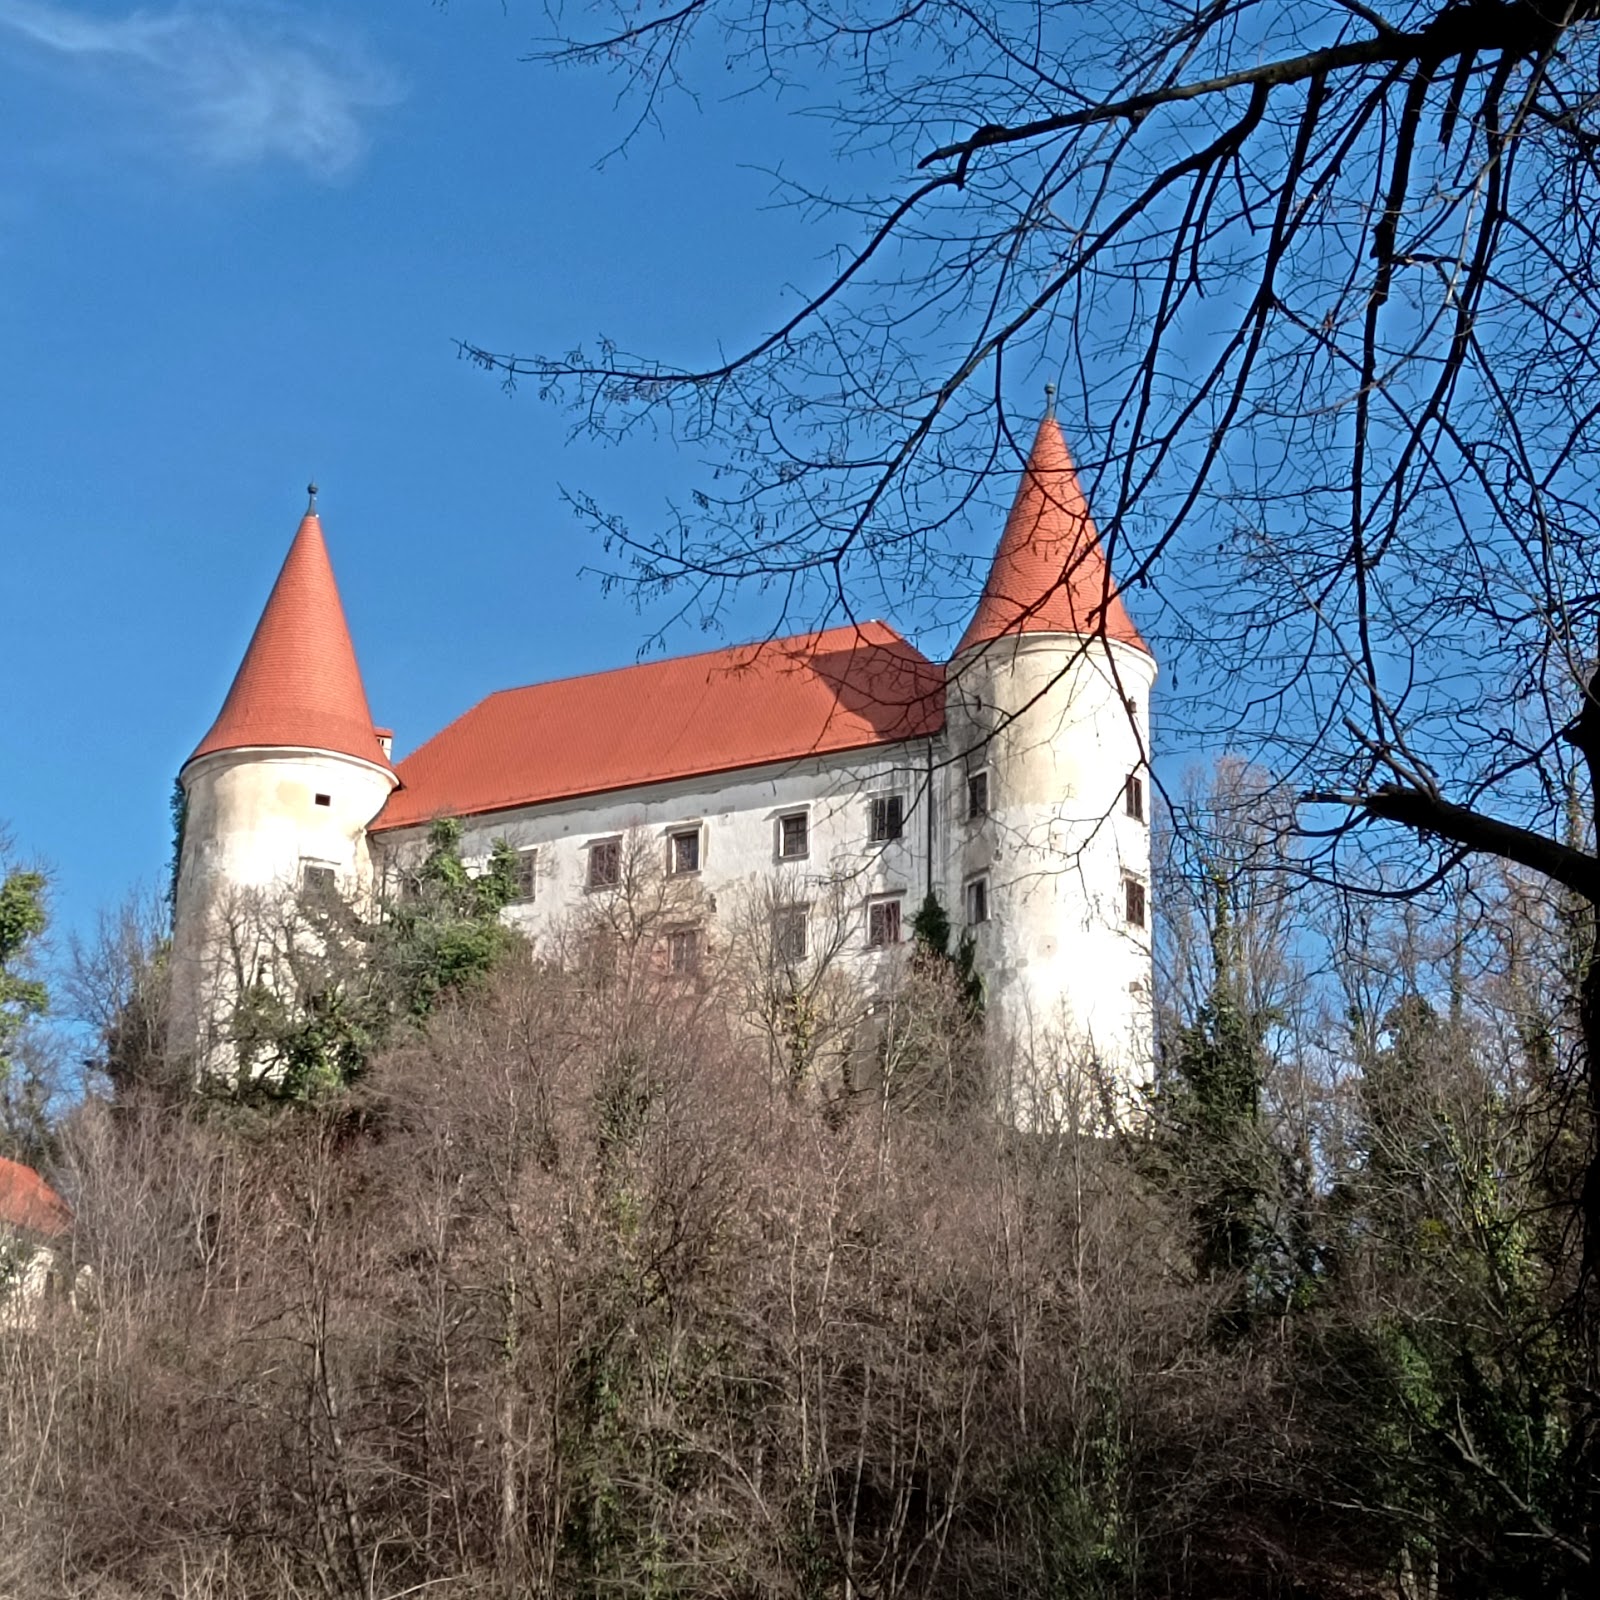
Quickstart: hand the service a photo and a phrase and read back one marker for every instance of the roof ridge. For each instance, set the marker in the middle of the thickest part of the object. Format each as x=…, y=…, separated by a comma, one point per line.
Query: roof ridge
x=857, y=628
x=858, y=686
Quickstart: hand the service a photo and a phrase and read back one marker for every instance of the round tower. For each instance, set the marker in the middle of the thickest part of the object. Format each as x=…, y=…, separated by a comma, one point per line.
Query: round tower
x=1048, y=719
x=277, y=798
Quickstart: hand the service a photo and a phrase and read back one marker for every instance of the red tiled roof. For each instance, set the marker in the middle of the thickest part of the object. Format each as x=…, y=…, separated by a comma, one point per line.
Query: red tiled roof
x=845, y=689
x=1050, y=573
x=299, y=685
x=29, y=1203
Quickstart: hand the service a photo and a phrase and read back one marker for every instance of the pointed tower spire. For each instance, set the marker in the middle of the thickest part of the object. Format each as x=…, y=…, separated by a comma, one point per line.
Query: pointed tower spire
x=299, y=685
x=1050, y=573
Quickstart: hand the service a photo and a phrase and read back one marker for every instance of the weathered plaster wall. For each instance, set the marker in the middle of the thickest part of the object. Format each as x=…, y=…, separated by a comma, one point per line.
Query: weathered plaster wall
x=252, y=823
x=1059, y=726
x=738, y=816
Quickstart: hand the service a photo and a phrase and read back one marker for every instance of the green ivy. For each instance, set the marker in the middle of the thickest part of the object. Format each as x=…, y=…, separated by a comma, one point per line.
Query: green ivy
x=441, y=935
x=930, y=933
x=23, y=999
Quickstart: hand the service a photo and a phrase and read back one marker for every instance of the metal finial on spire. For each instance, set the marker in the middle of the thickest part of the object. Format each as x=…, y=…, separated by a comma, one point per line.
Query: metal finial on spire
x=1049, y=401
x=311, y=492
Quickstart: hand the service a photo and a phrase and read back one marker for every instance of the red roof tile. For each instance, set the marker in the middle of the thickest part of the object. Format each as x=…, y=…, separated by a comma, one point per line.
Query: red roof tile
x=299, y=685
x=844, y=689
x=1050, y=573
x=29, y=1203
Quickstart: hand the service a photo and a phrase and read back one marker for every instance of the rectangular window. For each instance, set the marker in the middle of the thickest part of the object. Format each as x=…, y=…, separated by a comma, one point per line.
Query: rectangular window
x=605, y=864
x=789, y=924
x=524, y=876
x=883, y=923
x=1133, y=796
x=978, y=900
x=683, y=951
x=323, y=799
x=317, y=878
x=888, y=817
x=977, y=795
x=1134, y=902
x=794, y=836
x=683, y=851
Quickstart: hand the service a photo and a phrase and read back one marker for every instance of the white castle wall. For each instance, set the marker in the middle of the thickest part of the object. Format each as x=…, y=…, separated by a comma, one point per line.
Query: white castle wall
x=738, y=816
x=1059, y=725
x=251, y=825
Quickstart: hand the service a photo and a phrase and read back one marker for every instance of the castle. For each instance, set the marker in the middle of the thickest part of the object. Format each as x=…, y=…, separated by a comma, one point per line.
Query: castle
x=830, y=778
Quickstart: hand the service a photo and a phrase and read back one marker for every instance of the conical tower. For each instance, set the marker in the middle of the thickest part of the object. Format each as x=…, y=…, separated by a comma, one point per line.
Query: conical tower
x=277, y=797
x=1048, y=719
x=1050, y=573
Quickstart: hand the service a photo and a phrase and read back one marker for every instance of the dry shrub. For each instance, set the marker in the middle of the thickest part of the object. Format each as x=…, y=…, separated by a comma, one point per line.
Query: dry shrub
x=576, y=1299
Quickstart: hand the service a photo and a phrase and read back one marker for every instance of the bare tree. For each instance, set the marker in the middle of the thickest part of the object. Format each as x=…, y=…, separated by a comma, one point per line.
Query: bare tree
x=791, y=974
x=1318, y=281
x=117, y=984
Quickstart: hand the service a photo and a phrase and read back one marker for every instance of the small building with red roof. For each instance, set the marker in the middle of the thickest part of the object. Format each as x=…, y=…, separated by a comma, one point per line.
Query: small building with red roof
x=796, y=799
x=34, y=1224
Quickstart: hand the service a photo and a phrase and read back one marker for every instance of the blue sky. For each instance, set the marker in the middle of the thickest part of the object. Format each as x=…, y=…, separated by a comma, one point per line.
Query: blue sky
x=237, y=244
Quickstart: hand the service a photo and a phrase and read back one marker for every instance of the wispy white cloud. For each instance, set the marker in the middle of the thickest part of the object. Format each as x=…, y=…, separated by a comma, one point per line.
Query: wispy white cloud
x=237, y=84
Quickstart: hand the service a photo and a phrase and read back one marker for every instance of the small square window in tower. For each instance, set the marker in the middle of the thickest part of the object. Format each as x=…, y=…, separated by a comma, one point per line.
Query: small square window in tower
x=883, y=923
x=683, y=851
x=794, y=836
x=1134, y=902
x=888, y=817
x=789, y=924
x=683, y=951
x=1133, y=796
x=605, y=864
x=977, y=897
x=524, y=876
x=977, y=795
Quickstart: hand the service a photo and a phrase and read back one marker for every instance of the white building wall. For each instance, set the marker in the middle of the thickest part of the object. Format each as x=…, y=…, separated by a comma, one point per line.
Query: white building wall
x=1059, y=725
x=738, y=816
x=252, y=824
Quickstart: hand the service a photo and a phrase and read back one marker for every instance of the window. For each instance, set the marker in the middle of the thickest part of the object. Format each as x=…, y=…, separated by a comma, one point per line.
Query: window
x=794, y=835
x=977, y=896
x=323, y=799
x=1134, y=902
x=888, y=817
x=683, y=951
x=605, y=864
x=318, y=878
x=683, y=851
x=789, y=933
x=977, y=795
x=1133, y=796
x=524, y=876
x=883, y=923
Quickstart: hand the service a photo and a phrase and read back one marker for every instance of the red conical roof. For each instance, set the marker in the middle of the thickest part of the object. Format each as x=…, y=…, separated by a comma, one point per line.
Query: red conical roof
x=1050, y=573
x=298, y=685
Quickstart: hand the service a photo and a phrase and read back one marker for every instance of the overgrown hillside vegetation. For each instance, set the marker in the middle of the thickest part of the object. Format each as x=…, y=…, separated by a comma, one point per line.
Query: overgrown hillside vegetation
x=582, y=1286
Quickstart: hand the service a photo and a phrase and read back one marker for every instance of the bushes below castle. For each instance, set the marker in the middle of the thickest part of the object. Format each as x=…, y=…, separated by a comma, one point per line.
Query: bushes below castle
x=570, y=1293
